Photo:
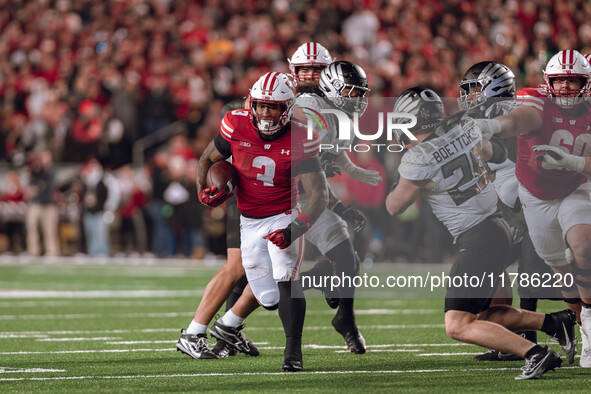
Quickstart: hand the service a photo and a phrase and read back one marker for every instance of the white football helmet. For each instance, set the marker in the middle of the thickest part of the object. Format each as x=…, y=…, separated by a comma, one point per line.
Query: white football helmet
x=272, y=88
x=309, y=54
x=568, y=63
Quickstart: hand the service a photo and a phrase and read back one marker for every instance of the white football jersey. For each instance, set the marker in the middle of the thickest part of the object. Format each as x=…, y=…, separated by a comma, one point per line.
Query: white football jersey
x=325, y=123
x=463, y=195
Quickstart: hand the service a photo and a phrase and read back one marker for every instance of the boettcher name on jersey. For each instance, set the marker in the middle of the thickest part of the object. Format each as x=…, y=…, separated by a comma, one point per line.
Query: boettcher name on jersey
x=462, y=196
x=560, y=130
x=268, y=170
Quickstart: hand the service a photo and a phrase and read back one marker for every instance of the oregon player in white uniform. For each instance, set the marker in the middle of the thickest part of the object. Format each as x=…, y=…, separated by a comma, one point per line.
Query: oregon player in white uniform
x=329, y=234
x=445, y=164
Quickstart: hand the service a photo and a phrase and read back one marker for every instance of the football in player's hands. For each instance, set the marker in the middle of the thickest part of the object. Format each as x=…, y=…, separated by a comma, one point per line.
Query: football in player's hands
x=223, y=176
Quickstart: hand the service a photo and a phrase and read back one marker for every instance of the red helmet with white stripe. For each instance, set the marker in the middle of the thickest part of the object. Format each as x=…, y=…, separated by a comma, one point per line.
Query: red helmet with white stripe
x=309, y=54
x=566, y=64
x=276, y=89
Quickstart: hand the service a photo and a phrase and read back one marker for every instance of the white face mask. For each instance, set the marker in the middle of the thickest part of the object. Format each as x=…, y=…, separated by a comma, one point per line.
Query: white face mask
x=265, y=125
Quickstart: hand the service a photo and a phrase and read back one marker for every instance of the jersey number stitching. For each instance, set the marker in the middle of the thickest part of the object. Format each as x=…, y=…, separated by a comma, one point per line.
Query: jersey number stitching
x=269, y=174
x=470, y=170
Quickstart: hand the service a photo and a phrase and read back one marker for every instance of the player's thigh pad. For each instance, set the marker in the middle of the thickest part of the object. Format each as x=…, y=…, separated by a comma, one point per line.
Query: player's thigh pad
x=286, y=262
x=575, y=208
x=544, y=227
x=328, y=231
x=257, y=261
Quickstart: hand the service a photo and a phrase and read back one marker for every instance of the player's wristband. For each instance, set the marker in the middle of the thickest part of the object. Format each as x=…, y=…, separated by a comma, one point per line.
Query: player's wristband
x=297, y=228
x=338, y=208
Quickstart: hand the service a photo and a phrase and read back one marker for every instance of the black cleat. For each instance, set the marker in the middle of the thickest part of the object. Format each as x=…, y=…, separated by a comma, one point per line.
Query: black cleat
x=494, y=355
x=291, y=365
x=540, y=363
x=355, y=342
x=222, y=349
x=234, y=337
x=194, y=346
x=353, y=338
x=565, y=333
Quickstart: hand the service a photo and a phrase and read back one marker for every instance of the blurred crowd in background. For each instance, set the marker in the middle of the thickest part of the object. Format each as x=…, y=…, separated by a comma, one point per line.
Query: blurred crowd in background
x=105, y=106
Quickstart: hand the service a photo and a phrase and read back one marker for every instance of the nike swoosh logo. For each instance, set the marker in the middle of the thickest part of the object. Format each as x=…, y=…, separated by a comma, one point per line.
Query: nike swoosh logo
x=568, y=343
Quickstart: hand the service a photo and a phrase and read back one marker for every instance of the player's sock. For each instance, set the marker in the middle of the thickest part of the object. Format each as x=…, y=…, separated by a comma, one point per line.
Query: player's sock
x=231, y=319
x=317, y=275
x=292, y=311
x=529, y=304
x=196, y=328
x=234, y=295
x=344, y=320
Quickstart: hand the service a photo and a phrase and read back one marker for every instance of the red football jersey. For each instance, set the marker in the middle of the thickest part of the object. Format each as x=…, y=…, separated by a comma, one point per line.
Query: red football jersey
x=560, y=130
x=268, y=170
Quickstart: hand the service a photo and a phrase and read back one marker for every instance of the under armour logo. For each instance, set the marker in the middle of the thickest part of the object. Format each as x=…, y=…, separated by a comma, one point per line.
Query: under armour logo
x=267, y=146
x=285, y=152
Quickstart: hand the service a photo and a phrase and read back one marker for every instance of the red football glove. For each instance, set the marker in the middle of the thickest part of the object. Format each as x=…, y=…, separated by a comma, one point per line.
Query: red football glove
x=278, y=238
x=209, y=197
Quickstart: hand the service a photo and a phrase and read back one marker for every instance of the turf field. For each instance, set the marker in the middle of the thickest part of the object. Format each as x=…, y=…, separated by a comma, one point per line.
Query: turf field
x=112, y=328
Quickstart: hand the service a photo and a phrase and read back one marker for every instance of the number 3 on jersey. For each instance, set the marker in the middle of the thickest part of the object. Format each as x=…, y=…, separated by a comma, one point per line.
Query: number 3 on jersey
x=269, y=174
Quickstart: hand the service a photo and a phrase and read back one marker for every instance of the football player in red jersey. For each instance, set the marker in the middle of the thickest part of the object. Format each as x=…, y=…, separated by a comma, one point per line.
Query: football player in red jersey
x=270, y=157
x=226, y=285
x=553, y=125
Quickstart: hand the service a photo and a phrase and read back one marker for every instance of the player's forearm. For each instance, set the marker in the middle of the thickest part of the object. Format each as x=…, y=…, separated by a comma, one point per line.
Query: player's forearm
x=316, y=189
x=403, y=196
x=587, y=169
x=395, y=205
x=522, y=120
x=209, y=156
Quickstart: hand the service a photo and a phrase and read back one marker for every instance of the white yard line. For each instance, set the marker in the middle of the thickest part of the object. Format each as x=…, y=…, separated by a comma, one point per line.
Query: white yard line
x=189, y=313
x=86, y=302
x=177, y=330
x=29, y=370
x=225, y=374
x=76, y=339
x=372, y=348
x=99, y=293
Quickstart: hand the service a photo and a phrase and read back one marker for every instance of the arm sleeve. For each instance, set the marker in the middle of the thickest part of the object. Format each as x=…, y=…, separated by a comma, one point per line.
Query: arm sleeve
x=499, y=151
x=312, y=147
x=310, y=165
x=223, y=146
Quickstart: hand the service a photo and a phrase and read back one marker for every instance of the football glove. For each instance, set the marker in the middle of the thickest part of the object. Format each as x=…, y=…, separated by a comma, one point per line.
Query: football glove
x=488, y=127
x=362, y=175
x=554, y=158
x=282, y=238
x=209, y=197
x=354, y=217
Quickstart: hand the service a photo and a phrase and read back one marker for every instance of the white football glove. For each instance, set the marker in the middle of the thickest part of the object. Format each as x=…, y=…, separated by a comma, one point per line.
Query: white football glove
x=362, y=175
x=488, y=127
x=554, y=158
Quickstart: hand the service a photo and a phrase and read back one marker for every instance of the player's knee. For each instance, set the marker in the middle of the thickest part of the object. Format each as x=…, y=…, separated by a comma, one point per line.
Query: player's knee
x=453, y=330
x=582, y=253
x=269, y=299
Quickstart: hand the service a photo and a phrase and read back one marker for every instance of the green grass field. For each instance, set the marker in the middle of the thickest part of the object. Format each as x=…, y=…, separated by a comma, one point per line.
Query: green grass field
x=113, y=328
